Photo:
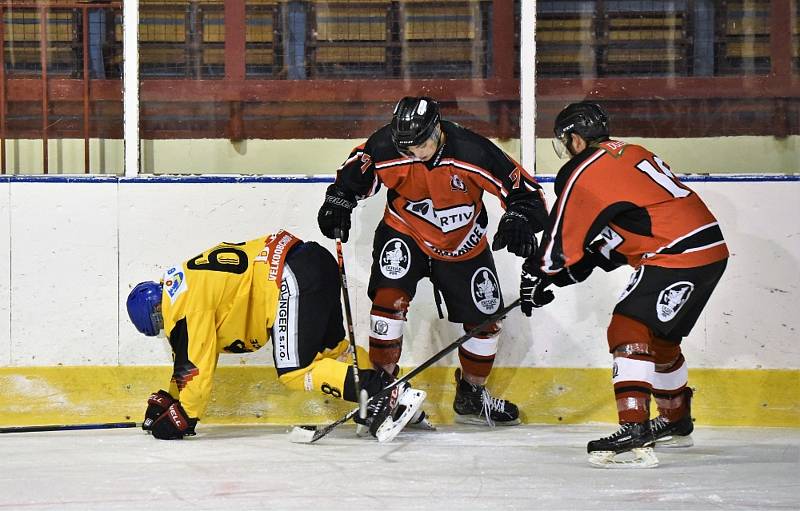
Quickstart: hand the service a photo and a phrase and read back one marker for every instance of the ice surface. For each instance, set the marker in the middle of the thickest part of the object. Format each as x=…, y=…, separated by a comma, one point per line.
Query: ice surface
x=457, y=467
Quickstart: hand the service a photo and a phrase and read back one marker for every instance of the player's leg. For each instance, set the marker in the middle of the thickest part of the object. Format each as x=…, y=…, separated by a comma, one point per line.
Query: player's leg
x=630, y=341
x=673, y=426
x=397, y=266
x=471, y=292
x=309, y=346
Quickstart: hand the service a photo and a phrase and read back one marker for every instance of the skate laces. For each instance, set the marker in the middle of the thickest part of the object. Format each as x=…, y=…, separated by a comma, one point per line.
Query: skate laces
x=491, y=403
x=659, y=423
x=624, y=429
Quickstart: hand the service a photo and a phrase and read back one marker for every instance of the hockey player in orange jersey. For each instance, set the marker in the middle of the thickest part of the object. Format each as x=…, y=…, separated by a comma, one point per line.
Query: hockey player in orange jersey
x=234, y=298
x=620, y=204
x=434, y=226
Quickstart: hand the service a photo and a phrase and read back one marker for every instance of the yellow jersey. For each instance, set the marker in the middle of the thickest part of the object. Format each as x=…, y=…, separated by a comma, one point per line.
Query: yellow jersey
x=224, y=300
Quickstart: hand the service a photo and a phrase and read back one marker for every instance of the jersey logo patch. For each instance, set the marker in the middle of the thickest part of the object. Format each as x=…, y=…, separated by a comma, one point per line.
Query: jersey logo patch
x=672, y=299
x=485, y=291
x=446, y=220
x=457, y=184
x=395, y=259
x=175, y=283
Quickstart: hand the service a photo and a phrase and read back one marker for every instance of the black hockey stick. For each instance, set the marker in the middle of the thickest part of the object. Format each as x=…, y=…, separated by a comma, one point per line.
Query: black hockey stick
x=361, y=395
x=68, y=427
x=310, y=434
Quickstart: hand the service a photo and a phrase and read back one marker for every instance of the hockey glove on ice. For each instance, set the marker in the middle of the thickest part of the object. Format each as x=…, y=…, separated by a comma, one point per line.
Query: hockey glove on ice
x=533, y=293
x=157, y=403
x=334, y=215
x=173, y=424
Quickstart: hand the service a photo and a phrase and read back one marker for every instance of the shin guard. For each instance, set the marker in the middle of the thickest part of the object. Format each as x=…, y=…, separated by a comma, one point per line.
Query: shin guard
x=387, y=319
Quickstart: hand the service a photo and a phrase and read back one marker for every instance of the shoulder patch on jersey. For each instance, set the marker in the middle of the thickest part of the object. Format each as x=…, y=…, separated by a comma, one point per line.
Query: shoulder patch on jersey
x=395, y=259
x=175, y=283
x=672, y=299
x=485, y=290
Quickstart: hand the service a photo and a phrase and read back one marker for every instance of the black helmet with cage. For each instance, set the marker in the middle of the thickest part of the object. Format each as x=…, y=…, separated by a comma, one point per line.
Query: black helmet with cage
x=587, y=119
x=414, y=121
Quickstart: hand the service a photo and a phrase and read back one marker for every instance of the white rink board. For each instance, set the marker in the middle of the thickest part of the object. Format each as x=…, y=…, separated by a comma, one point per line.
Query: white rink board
x=5, y=269
x=69, y=281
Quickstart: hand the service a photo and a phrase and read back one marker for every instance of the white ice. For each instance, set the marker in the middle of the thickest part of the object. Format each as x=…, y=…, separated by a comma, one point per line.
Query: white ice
x=457, y=467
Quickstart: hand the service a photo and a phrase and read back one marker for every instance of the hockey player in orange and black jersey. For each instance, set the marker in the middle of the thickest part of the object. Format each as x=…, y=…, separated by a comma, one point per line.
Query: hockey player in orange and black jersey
x=619, y=204
x=233, y=298
x=434, y=226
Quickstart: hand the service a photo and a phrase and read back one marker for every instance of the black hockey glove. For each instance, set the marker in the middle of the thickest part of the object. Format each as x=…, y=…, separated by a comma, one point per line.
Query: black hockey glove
x=524, y=216
x=157, y=404
x=580, y=271
x=533, y=292
x=173, y=424
x=595, y=254
x=334, y=215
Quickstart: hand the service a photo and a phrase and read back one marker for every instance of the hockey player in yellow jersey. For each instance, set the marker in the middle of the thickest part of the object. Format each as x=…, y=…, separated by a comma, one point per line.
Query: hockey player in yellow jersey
x=234, y=297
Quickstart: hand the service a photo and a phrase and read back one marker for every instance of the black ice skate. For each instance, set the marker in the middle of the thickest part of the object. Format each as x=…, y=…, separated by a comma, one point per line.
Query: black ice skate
x=474, y=405
x=634, y=438
x=678, y=433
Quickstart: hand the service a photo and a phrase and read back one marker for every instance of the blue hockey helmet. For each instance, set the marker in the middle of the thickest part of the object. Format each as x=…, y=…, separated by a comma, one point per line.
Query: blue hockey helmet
x=144, y=308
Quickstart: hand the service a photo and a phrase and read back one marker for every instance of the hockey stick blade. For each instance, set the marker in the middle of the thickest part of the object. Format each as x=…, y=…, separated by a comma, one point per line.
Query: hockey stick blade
x=299, y=436
x=68, y=427
x=310, y=434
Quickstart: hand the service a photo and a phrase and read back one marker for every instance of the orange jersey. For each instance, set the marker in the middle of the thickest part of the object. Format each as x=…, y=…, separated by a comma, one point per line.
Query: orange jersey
x=439, y=203
x=629, y=196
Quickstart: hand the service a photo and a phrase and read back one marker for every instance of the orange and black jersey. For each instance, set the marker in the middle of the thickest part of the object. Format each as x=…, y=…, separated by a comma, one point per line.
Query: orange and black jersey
x=439, y=203
x=629, y=196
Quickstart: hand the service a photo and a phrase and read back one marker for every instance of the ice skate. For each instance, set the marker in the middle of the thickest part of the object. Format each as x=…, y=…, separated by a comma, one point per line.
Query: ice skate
x=629, y=447
x=474, y=405
x=389, y=414
x=678, y=433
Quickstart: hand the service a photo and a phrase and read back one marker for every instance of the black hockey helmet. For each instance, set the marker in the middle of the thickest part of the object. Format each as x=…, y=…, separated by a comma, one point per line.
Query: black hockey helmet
x=413, y=121
x=588, y=120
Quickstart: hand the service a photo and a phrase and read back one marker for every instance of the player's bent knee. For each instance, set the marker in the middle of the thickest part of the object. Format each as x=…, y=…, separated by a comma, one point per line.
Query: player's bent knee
x=326, y=375
x=491, y=330
x=391, y=302
x=624, y=330
x=666, y=354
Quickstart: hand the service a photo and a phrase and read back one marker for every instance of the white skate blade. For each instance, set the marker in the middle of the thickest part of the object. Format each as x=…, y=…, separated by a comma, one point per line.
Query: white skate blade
x=674, y=441
x=412, y=400
x=423, y=424
x=302, y=434
x=480, y=420
x=641, y=457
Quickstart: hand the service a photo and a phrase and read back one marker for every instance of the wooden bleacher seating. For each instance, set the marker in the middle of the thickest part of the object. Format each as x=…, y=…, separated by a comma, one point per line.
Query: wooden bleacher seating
x=746, y=37
x=653, y=42
x=445, y=38
x=565, y=44
x=348, y=38
x=22, y=38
